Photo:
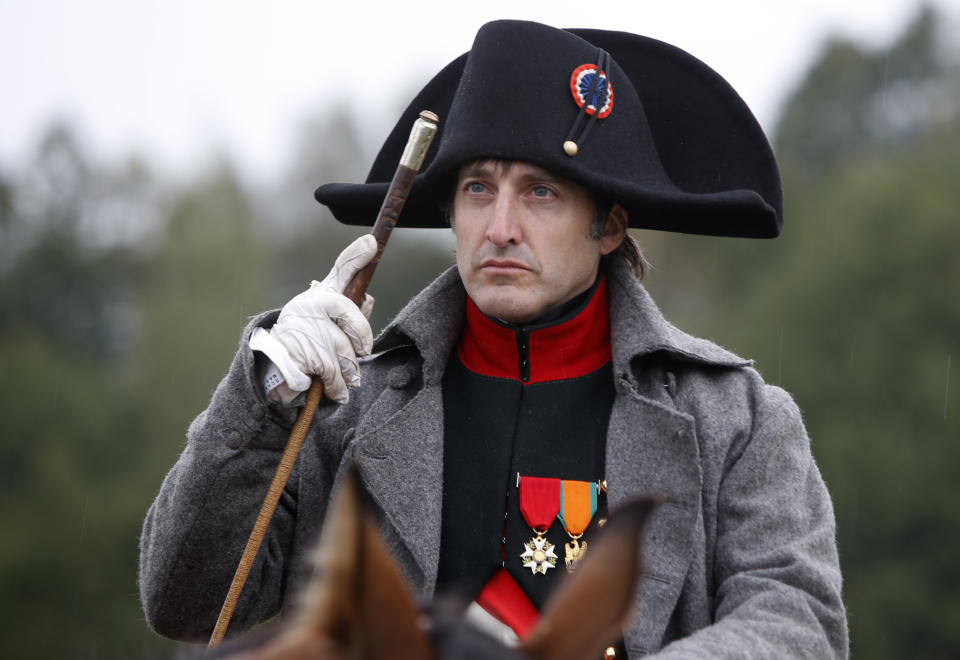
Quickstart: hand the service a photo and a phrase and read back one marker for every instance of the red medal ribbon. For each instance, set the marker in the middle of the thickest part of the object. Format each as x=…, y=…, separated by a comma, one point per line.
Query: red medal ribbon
x=539, y=501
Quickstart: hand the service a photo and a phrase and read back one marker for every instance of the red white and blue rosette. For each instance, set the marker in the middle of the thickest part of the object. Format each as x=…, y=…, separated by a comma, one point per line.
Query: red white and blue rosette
x=581, y=82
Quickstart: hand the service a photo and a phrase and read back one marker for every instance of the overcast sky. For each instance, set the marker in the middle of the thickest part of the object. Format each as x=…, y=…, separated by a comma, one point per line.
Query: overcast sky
x=179, y=80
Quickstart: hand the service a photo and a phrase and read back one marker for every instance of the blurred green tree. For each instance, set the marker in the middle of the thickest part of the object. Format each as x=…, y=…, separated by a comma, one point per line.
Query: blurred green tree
x=208, y=275
x=855, y=101
x=68, y=448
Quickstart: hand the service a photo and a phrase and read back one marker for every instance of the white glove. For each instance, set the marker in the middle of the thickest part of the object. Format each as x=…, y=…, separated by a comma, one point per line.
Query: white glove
x=321, y=331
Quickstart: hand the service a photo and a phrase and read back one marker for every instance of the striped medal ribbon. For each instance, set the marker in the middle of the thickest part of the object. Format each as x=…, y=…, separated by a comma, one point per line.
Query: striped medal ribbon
x=578, y=503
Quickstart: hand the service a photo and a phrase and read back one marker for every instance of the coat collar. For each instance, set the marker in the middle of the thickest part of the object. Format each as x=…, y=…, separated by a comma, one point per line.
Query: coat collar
x=639, y=329
x=434, y=320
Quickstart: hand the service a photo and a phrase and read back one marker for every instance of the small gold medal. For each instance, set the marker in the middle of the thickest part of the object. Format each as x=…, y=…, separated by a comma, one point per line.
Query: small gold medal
x=574, y=551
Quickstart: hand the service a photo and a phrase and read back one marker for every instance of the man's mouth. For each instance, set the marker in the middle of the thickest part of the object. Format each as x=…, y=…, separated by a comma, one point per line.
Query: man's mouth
x=503, y=266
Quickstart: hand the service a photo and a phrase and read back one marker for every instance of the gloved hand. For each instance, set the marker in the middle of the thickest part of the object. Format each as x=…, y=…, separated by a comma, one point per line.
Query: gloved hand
x=322, y=331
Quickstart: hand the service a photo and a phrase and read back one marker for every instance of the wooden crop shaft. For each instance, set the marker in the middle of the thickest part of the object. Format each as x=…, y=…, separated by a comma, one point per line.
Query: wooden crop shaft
x=420, y=137
x=386, y=221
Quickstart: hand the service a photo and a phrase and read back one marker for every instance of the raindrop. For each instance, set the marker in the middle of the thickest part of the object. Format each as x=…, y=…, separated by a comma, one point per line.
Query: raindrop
x=780, y=360
x=886, y=75
x=946, y=387
x=83, y=523
x=76, y=587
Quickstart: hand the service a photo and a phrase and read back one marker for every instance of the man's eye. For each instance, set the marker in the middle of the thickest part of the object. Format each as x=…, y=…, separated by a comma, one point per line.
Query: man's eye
x=476, y=187
x=542, y=192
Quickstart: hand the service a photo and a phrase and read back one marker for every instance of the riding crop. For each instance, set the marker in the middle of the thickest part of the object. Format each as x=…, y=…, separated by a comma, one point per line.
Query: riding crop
x=421, y=136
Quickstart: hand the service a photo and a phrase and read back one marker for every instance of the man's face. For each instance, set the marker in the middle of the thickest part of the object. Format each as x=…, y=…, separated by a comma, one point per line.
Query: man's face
x=523, y=244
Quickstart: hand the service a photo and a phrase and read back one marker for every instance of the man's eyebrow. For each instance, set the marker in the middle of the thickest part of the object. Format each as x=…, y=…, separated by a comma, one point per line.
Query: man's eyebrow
x=475, y=170
x=541, y=175
x=487, y=168
x=484, y=167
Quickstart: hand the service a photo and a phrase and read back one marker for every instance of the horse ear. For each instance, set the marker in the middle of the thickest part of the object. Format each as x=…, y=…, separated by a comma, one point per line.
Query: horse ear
x=359, y=605
x=589, y=609
x=389, y=616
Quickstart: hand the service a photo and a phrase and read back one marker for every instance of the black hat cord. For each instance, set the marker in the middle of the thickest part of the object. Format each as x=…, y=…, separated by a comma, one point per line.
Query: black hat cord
x=571, y=146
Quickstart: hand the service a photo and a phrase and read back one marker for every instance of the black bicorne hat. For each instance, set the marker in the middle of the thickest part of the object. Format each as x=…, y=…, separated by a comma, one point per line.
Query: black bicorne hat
x=657, y=131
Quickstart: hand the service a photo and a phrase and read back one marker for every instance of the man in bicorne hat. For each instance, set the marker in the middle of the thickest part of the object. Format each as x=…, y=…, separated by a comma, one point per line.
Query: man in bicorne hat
x=535, y=386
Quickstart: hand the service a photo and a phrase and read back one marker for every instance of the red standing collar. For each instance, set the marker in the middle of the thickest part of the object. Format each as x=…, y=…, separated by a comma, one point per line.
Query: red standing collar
x=534, y=354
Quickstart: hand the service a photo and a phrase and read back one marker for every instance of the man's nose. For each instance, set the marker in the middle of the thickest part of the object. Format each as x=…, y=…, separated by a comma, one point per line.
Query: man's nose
x=504, y=227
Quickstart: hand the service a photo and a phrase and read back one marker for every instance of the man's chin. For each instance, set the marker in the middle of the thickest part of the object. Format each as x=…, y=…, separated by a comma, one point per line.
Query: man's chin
x=506, y=306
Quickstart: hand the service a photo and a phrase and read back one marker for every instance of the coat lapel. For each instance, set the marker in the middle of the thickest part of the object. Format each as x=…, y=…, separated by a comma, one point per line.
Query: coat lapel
x=401, y=463
x=401, y=458
x=653, y=449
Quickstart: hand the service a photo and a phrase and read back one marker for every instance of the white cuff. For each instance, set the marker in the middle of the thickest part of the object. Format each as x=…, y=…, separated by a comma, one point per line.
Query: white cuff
x=261, y=340
x=491, y=625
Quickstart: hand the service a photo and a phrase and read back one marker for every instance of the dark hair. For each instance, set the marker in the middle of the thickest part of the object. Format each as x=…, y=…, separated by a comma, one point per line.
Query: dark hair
x=628, y=250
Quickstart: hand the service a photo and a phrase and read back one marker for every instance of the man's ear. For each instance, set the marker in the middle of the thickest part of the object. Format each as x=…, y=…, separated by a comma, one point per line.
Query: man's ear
x=615, y=229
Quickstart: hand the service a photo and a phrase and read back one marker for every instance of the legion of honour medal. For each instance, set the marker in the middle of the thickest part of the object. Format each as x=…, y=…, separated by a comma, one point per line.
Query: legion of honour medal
x=539, y=504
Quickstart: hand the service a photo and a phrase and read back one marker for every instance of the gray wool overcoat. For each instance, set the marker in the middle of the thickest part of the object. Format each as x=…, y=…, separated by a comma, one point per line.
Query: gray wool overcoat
x=741, y=561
